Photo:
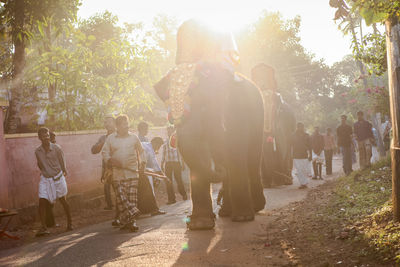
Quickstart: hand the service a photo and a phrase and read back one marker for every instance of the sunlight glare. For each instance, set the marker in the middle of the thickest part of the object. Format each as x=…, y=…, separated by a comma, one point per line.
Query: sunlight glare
x=224, y=23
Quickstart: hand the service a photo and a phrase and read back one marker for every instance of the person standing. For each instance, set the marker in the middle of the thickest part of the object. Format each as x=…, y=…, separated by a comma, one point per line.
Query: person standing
x=317, y=144
x=354, y=149
x=109, y=125
x=302, y=154
x=50, y=221
x=375, y=152
x=120, y=152
x=329, y=147
x=365, y=140
x=172, y=164
x=146, y=198
x=279, y=124
x=344, y=141
x=52, y=185
x=143, y=130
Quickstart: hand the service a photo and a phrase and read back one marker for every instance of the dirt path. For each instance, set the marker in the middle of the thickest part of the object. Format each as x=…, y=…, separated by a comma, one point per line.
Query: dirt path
x=164, y=240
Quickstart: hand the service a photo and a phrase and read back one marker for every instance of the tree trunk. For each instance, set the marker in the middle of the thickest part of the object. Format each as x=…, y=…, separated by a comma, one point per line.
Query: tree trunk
x=393, y=55
x=52, y=86
x=13, y=119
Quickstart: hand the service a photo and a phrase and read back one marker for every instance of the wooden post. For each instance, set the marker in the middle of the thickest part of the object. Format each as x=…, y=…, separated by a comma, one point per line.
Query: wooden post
x=393, y=55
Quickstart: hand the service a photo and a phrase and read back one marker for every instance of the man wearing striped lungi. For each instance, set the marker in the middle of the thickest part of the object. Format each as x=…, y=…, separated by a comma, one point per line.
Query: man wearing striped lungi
x=121, y=151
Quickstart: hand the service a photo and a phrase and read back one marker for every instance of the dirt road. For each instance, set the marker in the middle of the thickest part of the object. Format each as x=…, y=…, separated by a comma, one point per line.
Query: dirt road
x=164, y=240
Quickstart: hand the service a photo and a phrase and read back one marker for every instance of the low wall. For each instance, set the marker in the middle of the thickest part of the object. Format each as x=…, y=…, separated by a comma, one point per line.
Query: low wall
x=4, y=173
x=84, y=168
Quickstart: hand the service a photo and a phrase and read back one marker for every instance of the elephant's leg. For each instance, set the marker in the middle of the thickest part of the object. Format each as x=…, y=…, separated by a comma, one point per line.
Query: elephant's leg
x=197, y=156
x=266, y=165
x=202, y=217
x=254, y=162
x=201, y=195
x=238, y=173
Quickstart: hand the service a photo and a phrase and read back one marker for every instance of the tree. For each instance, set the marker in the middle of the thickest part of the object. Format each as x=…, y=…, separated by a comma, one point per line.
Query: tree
x=20, y=18
x=164, y=35
x=97, y=69
x=350, y=20
x=388, y=11
x=304, y=82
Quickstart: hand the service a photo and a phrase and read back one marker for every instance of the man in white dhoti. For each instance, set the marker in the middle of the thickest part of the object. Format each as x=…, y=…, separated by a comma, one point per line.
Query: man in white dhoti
x=52, y=185
x=301, y=151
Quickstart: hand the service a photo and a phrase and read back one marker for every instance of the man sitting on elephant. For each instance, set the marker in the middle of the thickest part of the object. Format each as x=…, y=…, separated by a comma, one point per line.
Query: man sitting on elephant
x=219, y=118
x=279, y=124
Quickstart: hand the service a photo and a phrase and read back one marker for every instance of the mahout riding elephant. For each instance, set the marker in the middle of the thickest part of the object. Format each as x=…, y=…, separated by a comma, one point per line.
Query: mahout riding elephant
x=219, y=118
x=279, y=125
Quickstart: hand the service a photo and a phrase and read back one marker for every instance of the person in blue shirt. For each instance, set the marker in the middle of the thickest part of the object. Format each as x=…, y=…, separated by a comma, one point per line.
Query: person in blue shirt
x=146, y=197
x=143, y=130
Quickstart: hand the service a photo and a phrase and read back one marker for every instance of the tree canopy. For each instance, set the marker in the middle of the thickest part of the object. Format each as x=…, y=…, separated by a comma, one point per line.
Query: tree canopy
x=75, y=71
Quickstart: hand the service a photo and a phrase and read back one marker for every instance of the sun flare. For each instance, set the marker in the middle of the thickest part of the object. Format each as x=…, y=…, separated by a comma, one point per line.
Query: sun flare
x=223, y=22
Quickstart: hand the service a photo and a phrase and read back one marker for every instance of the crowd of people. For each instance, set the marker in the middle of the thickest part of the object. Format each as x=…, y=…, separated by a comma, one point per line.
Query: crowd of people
x=319, y=149
x=129, y=168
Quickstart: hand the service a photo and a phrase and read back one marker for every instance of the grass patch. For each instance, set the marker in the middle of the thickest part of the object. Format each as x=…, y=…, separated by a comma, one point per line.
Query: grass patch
x=361, y=203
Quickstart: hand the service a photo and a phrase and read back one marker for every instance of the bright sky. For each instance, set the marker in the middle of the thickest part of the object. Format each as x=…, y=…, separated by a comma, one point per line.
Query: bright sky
x=319, y=33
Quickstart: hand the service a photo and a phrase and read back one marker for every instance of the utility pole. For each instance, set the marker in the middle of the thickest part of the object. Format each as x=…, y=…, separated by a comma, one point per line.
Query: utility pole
x=393, y=56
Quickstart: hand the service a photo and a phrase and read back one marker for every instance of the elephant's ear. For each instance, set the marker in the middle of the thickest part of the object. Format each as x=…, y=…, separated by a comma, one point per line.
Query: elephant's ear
x=162, y=87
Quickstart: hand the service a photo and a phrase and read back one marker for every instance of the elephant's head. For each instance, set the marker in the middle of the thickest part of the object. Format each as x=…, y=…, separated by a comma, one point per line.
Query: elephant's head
x=195, y=91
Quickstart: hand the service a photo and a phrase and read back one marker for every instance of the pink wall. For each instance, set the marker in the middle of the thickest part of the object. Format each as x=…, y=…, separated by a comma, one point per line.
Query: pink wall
x=4, y=173
x=84, y=168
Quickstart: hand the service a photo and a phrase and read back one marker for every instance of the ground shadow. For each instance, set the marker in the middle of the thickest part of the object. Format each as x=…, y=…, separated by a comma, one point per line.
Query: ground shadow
x=95, y=245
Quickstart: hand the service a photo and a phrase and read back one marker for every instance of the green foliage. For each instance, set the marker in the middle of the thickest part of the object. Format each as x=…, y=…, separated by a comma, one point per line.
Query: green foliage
x=33, y=13
x=369, y=49
x=79, y=71
x=372, y=16
x=372, y=52
x=95, y=69
x=361, y=193
x=374, y=11
x=19, y=19
x=361, y=201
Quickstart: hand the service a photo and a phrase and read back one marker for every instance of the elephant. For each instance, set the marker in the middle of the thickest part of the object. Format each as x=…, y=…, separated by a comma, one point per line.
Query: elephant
x=279, y=125
x=219, y=118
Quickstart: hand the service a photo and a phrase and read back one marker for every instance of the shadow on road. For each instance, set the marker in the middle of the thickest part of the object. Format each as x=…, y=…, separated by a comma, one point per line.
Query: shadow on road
x=89, y=247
